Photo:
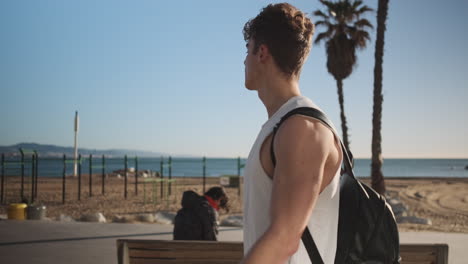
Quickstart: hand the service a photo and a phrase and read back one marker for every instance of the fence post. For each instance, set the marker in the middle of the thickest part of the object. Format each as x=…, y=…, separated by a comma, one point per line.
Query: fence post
x=3, y=179
x=154, y=192
x=162, y=176
x=90, y=175
x=238, y=174
x=126, y=175
x=170, y=175
x=103, y=173
x=144, y=191
x=136, y=175
x=79, y=177
x=33, y=169
x=63, y=177
x=36, y=173
x=22, y=173
x=204, y=174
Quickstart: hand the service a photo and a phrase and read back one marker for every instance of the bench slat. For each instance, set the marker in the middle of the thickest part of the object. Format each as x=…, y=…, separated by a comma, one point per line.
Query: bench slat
x=183, y=261
x=209, y=252
x=186, y=254
x=418, y=262
x=183, y=245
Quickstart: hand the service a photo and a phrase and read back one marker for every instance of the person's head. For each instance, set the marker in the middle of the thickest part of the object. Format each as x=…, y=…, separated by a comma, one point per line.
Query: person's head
x=219, y=195
x=280, y=37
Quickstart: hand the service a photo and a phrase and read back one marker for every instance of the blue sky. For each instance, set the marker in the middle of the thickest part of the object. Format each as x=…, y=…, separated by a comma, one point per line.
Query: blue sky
x=168, y=76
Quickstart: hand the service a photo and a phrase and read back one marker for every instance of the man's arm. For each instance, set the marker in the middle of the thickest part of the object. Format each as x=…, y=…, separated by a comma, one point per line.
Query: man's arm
x=301, y=148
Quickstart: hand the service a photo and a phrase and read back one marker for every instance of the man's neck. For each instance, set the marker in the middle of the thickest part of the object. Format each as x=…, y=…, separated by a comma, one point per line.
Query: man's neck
x=277, y=92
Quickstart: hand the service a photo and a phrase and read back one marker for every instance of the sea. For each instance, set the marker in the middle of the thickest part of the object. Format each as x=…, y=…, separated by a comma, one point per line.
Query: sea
x=214, y=167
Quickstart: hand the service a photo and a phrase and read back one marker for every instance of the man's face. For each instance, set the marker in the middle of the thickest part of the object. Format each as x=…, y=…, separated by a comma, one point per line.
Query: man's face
x=250, y=64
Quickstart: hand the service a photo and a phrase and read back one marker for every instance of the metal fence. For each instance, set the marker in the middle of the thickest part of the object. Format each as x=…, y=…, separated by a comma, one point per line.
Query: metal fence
x=21, y=173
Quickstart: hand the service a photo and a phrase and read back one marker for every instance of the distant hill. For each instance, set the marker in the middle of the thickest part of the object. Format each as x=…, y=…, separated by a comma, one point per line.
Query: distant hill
x=58, y=151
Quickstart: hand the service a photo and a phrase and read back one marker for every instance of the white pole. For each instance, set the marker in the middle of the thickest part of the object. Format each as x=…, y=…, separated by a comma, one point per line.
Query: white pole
x=75, y=156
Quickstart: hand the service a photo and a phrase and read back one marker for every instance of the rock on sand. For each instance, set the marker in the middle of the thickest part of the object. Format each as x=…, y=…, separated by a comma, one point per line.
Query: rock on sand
x=146, y=218
x=65, y=218
x=97, y=217
x=164, y=217
x=233, y=220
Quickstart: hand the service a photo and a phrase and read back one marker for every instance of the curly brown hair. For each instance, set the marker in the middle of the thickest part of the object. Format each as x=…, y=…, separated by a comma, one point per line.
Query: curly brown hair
x=286, y=31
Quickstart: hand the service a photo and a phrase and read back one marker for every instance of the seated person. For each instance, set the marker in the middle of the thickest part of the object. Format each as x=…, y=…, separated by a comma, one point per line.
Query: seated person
x=197, y=220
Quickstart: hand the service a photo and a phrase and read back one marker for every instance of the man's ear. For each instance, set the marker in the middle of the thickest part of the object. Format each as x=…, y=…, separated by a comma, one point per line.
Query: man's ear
x=263, y=53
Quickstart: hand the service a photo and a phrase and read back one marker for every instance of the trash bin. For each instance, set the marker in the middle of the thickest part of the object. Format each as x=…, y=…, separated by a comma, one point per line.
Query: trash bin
x=17, y=211
x=36, y=212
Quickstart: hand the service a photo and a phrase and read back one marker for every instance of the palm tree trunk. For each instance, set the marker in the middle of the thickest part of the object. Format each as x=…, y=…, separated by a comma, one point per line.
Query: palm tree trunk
x=377, y=178
x=344, y=126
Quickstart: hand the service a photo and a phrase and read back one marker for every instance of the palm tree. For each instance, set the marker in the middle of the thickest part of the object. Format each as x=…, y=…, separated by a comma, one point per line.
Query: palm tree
x=345, y=32
x=377, y=177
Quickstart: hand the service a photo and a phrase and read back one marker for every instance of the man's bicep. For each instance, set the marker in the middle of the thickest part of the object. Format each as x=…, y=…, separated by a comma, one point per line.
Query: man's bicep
x=301, y=156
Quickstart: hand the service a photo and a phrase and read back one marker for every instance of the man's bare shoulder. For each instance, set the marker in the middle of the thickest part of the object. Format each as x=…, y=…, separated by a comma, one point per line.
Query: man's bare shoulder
x=304, y=129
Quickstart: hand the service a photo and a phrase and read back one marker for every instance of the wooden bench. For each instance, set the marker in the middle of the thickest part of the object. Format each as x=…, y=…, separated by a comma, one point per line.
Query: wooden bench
x=424, y=253
x=203, y=252
x=172, y=252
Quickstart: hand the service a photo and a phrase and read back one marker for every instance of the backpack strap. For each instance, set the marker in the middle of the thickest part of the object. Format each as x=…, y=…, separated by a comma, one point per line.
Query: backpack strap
x=311, y=247
x=307, y=239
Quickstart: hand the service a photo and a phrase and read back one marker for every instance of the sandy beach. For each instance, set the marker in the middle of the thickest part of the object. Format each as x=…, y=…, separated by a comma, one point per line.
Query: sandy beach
x=442, y=200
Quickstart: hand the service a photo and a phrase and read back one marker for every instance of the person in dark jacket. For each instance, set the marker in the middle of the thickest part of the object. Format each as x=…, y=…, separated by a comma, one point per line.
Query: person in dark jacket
x=197, y=220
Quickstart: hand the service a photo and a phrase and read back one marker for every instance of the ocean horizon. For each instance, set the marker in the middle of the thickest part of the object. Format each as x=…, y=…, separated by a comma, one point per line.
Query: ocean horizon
x=215, y=167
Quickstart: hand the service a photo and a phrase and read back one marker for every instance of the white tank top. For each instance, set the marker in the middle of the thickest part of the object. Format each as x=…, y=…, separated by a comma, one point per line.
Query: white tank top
x=323, y=224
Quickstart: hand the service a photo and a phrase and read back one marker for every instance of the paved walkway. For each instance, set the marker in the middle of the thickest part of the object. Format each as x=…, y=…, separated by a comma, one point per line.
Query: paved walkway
x=45, y=242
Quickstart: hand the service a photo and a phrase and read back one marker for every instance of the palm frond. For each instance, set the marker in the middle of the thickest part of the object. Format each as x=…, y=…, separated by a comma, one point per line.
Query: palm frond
x=325, y=2
x=360, y=38
x=324, y=23
x=330, y=5
x=323, y=36
x=363, y=10
x=348, y=11
x=321, y=14
x=361, y=23
x=356, y=4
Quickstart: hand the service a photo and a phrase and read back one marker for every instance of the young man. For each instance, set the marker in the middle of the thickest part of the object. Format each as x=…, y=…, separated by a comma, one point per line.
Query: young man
x=197, y=220
x=302, y=188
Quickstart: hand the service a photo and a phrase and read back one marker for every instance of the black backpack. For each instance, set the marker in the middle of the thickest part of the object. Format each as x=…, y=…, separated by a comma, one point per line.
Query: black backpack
x=367, y=231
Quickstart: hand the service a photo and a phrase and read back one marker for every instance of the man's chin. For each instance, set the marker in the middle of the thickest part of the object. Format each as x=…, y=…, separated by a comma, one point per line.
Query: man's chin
x=249, y=87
